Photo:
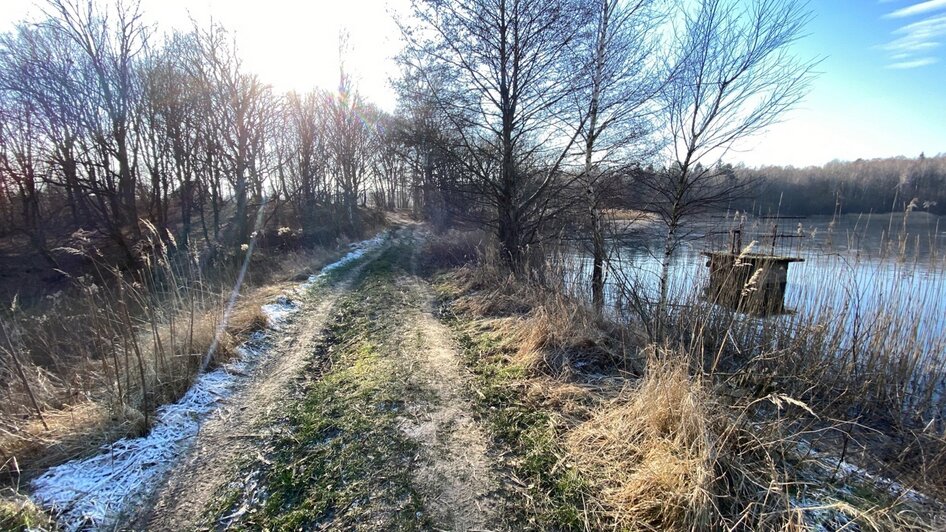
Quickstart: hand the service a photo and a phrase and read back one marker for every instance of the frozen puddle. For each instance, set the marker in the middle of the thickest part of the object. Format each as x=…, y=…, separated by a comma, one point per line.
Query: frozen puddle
x=93, y=493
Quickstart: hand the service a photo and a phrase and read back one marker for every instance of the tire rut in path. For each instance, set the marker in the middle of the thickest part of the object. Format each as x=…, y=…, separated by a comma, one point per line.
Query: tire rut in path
x=455, y=473
x=238, y=429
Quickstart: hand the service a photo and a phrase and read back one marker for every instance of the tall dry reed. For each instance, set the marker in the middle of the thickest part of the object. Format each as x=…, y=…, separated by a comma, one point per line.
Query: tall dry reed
x=95, y=361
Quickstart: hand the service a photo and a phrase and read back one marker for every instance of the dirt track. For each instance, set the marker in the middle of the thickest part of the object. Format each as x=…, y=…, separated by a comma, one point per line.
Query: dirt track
x=239, y=429
x=455, y=475
x=452, y=471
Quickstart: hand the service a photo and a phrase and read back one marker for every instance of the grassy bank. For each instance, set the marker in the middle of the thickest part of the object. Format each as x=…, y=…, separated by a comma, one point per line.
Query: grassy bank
x=343, y=461
x=93, y=363
x=605, y=430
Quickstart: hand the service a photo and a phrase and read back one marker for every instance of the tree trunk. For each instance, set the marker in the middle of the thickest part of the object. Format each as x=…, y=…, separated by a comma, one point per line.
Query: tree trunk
x=598, y=258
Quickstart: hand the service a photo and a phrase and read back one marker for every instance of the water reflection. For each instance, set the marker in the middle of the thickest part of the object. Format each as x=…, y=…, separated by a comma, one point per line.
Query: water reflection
x=863, y=264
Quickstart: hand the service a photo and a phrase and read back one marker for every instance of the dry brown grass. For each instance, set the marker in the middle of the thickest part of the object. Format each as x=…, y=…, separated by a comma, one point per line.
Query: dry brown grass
x=298, y=265
x=73, y=431
x=560, y=336
x=247, y=314
x=651, y=453
x=101, y=358
x=671, y=454
x=452, y=249
x=552, y=333
x=77, y=426
x=676, y=449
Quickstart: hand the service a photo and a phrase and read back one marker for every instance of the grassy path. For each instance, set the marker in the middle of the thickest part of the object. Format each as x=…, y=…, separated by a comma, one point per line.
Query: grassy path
x=362, y=421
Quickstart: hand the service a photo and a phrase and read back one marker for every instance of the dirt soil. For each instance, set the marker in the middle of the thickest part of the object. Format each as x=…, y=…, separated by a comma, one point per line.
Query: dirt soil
x=453, y=470
x=455, y=474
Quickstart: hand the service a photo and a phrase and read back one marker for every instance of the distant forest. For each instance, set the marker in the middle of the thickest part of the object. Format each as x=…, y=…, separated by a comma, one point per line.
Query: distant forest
x=875, y=185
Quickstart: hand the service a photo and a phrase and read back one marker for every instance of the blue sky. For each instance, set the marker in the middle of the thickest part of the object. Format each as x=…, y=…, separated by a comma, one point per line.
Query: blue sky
x=881, y=92
x=882, y=88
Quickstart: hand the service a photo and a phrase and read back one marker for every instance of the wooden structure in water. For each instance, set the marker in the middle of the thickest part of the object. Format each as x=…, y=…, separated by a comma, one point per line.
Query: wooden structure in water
x=752, y=283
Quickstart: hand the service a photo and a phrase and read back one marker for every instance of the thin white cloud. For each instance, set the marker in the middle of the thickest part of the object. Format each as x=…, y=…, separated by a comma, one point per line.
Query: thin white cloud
x=915, y=63
x=909, y=45
x=917, y=9
x=915, y=42
x=932, y=26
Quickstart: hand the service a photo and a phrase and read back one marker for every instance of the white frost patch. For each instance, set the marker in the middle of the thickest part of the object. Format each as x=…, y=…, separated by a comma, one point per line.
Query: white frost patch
x=358, y=250
x=821, y=508
x=278, y=312
x=820, y=516
x=93, y=493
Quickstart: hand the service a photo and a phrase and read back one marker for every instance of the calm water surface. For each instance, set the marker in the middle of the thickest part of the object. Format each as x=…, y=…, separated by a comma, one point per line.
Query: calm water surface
x=866, y=262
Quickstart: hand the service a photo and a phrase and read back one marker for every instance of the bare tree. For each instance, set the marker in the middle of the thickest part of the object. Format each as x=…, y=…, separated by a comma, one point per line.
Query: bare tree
x=350, y=133
x=110, y=42
x=388, y=164
x=506, y=101
x=423, y=130
x=301, y=146
x=618, y=100
x=733, y=77
x=19, y=166
x=83, y=103
x=237, y=116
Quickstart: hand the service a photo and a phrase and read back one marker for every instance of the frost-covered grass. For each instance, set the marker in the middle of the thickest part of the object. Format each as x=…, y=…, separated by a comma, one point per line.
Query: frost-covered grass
x=95, y=492
x=278, y=312
x=92, y=493
x=358, y=250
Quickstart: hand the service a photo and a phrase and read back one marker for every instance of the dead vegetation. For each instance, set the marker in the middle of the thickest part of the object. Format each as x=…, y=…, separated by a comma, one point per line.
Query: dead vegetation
x=650, y=452
x=18, y=513
x=453, y=249
x=552, y=333
x=630, y=435
x=91, y=364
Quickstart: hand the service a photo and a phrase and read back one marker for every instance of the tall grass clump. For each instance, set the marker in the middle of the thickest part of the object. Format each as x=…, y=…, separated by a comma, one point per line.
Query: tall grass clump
x=672, y=452
x=651, y=452
x=94, y=361
x=553, y=331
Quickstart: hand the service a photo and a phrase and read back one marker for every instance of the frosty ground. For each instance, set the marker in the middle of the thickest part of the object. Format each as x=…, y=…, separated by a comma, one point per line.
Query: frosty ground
x=213, y=458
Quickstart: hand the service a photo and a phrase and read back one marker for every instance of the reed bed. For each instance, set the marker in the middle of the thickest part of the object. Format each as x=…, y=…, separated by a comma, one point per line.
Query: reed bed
x=827, y=418
x=92, y=363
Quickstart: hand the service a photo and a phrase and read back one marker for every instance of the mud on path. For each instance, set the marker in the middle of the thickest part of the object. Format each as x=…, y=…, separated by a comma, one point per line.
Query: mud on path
x=240, y=428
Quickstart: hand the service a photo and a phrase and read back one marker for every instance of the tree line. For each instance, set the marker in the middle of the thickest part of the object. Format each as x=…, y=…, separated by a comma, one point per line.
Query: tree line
x=103, y=124
x=525, y=117
x=862, y=186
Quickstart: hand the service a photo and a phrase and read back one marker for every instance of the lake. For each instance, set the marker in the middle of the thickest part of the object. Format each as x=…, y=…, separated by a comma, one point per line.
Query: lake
x=853, y=257
x=858, y=270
